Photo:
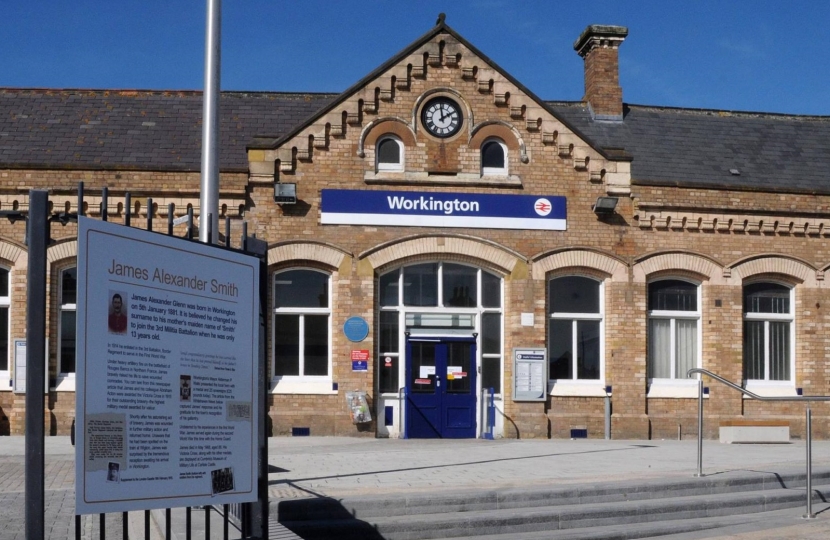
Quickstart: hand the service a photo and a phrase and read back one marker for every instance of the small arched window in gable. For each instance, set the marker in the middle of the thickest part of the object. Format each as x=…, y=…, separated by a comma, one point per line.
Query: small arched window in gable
x=493, y=158
x=390, y=154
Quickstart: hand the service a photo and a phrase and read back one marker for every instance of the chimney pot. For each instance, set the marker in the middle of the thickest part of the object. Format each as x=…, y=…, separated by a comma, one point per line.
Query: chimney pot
x=598, y=45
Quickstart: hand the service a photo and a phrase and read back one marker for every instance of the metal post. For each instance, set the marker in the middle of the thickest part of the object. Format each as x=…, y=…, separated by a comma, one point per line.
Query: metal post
x=149, y=213
x=809, y=429
x=258, y=516
x=128, y=211
x=209, y=200
x=104, y=203
x=80, y=198
x=607, y=417
x=189, y=222
x=699, y=427
x=38, y=237
x=170, y=219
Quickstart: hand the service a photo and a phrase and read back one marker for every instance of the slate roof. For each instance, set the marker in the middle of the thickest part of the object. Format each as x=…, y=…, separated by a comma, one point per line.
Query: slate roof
x=161, y=130
x=698, y=148
x=136, y=129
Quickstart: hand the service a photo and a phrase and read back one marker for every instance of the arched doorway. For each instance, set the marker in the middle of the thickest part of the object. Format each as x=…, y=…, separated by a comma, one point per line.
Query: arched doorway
x=440, y=342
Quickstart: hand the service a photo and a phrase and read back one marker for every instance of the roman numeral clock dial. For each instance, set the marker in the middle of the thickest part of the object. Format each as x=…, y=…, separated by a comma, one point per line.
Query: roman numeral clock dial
x=441, y=117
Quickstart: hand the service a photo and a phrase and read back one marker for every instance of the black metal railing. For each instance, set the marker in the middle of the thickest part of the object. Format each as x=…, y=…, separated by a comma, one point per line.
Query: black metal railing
x=238, y=520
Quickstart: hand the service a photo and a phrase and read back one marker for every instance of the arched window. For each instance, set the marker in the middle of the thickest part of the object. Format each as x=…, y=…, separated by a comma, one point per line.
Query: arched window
x=768, y=332
x=673, y=328
x=493, y=158
x=302, y=321
x=390, y=153
x=575, y=329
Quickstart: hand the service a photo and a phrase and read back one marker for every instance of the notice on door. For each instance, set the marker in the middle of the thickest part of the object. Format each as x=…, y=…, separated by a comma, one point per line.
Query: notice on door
x=167, y=339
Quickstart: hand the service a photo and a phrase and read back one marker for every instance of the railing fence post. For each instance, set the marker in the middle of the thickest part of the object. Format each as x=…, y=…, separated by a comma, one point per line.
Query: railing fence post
x=809, y=430
x=699, y=426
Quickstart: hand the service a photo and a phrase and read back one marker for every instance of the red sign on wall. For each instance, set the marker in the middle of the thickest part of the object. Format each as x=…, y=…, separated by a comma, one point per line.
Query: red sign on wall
x=360, y=354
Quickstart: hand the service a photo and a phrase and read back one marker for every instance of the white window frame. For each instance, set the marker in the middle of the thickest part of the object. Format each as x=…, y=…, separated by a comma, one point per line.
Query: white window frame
x=5, y=303
x=494, y=171
x=766, y=387
x=389, y=167
x=576, y=386
x=302, y=384
x=677, y=385
x=66, y=380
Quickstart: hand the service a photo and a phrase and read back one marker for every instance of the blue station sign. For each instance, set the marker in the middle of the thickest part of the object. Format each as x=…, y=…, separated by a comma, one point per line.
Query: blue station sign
x=441, y=209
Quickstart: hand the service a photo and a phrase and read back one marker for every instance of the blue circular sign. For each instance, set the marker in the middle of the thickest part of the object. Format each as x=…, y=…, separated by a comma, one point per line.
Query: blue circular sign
x=356, y=328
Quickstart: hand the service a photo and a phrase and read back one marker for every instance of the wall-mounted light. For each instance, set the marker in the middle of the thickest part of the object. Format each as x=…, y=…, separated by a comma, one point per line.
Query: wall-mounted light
x=605, y=205
x=285, y=193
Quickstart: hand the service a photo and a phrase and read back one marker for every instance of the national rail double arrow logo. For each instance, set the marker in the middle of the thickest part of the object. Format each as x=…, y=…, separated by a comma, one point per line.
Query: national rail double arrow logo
x=542, y=207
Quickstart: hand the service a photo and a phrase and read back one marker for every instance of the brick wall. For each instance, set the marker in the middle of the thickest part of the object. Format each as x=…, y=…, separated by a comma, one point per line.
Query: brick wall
x=545, y=158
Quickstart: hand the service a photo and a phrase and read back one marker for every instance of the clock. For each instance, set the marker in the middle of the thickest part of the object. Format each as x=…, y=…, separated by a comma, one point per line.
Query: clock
x=442, y=117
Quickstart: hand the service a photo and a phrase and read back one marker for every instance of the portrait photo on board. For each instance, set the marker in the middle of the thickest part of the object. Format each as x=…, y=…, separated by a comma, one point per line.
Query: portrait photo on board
x=185, y=388
x=113, y=471
x=117, y=313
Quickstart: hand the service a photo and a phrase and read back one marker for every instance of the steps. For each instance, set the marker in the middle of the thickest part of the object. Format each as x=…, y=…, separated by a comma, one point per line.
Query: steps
x=598, y=511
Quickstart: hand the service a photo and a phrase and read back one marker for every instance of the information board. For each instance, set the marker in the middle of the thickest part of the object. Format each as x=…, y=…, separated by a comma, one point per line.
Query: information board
x=167, y=344
x=19, y=375
x=530, y=374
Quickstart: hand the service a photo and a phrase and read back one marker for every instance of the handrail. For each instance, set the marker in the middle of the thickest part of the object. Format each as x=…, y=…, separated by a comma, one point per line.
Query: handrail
x=751, y=394
x=744, y=391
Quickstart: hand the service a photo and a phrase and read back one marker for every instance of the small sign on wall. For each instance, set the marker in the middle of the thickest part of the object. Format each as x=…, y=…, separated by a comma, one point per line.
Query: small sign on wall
x=360, y=360
x=18, y=381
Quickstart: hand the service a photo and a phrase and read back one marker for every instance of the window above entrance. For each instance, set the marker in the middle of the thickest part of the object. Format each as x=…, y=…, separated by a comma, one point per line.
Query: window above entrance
x=440, y=285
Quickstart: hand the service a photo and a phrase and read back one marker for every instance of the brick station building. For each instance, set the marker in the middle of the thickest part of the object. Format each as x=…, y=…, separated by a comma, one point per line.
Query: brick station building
x=450, y=227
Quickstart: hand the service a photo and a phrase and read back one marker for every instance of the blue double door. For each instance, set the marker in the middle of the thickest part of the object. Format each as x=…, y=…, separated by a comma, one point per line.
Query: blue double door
x=441, y=388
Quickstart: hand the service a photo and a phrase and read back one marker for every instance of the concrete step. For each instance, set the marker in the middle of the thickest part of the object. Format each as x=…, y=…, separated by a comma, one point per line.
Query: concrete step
x=508, y=498
x=576, y=518
x=679, y=529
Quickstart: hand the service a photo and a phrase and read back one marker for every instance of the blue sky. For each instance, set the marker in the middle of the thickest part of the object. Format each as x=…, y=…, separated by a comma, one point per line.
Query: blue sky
x=769, y=56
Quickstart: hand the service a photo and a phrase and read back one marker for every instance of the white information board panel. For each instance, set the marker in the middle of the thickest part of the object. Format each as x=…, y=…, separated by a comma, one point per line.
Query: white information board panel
x=166, y=384
x=530, y=374
x=19, y=376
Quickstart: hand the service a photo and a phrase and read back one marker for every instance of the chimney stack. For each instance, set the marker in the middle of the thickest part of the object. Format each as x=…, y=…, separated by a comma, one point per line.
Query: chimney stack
x=598, y=45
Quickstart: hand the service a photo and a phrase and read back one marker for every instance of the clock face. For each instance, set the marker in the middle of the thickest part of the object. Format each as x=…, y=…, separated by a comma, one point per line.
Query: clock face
x=442, y=117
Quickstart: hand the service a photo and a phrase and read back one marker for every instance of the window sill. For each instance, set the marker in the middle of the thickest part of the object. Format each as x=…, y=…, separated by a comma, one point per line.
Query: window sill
x=770, y=389
x=66, y=383
x=673, y=388
x=420, y=177
x=577, y=389
x=298, y=386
